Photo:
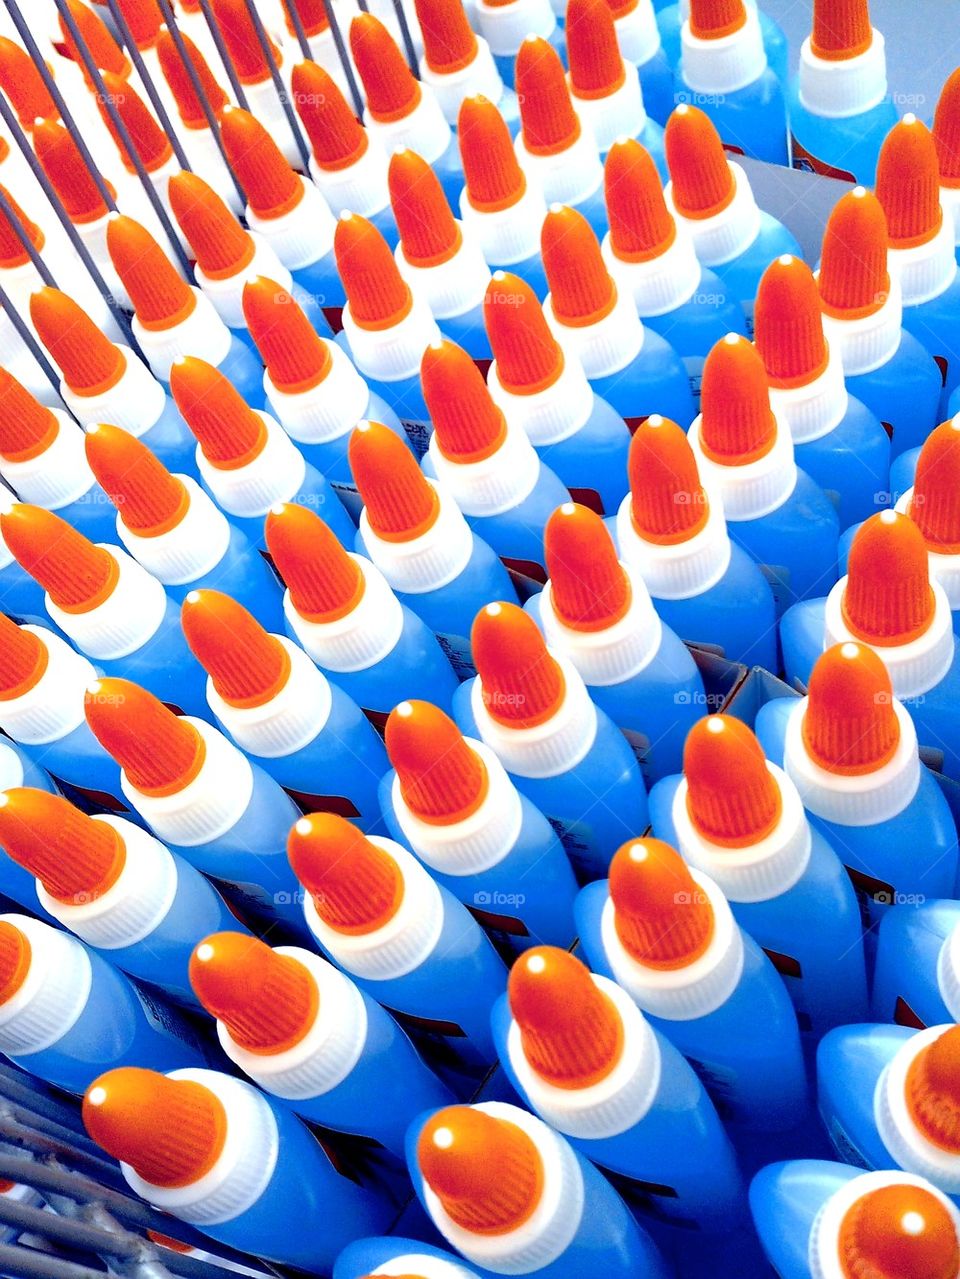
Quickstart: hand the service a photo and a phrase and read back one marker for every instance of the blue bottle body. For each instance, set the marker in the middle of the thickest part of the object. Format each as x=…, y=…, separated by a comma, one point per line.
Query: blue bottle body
x=593, y=207
x=906, y=988
x=93, y=514
x=656, y=82
x=785, y=1200
x=18, y=769
x=851, y=464
x=529, y=269
x=311, y=305
x=752, y=119
x=22, y=597
x=903, y=470
x=405, y=399
x=362, y=1257
x=592, y=462
x=173, y=441
x=934, y=325
x=164, y=666
x=669, y=21
x=244, y=370
x=650, y=138
x=506, y=62
x=850, y=1061
x=83, y=772
x=449, y=167
x=846, y=148
x=315, y=493
x=904, y=393
x=742, y=274
x=655, y=381
x=321, y=280
x=468, y=331
x=245, y=575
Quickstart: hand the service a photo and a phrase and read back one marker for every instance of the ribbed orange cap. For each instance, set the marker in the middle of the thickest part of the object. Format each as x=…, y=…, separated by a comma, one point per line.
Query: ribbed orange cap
x=103, y=49
x=240, y=36
x=23, y=659
x=589, y=588
x=442, y=779
x=549, y=122
x=312, y=14
x=522, y=684
x=296, y=358
x=149, y=500
x=267, y=1002
x=493, y=177
x=221, y=246
x=841, y=29
x=933, y=1091
x=248, y=666
x=888, y=599
x=159, y=752
x=13, y=246
x=908, y=184
x=144, y=19
x=160, y=297
x=714, y=19
x=67, y=172
x=737, y=425
x=529, y=358
x=467, y=424
x=667, y=501
x=570, y=1031
x=170, y=1131
x=15, y=959
x=582, y=290
x=898, y=1232
x=449, y=44
x=701, y=181
x=392, y=92
x=663, y=919
x=337, y=137
x=732, y=797
x=27, y=427
x=377, y=293
x=401, y=504
x=325, y=583
x=147, y=138
x=850, y=726
x=788, y=324
x=75, y=858
x=946, y=131
x=596, y=65
x=429, y=233
x=356, y=885
x=22, y=83
x=230, y=434
x=177, y=75
x=77, y=575
x=88, y=360
x=935, y=505
x=641, y=225
x=854, y=280
x=271, y=186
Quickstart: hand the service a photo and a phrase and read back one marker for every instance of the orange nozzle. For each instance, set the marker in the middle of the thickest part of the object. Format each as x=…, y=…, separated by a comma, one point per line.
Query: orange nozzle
x=95, y=35
x=149, y=500
x=22, y=83
x=522, y=684
x=400, y=502
x=667, y=502
x=714, y=19
x=377, y=294
x=662, y=917
x=933, y=1091
x=144, y=19
x=946, y=131
x=392, y=92
x=27, y=427
x=596, y=66
x=312, y=15
x=529, y=358
x=88, y=360
x=77, y=575
x=788, y=324
x=449, y=44
x=159, y=752
x=147, y=138
x=908, y=184
x=13, y=245
x=267, y=1002
x=295, y=357
x=854, y=280
x=442, y=779
x=841, y=29
x=589, y=588
x=701, y=180
x=486, y=1172
x=23, y=659
x=356, y=885
x=165, y=1241
x=160, y=297
x=428, y=230
x=493, y=177
x=850, y=726
x=325, y=583
x=901, y=1231
x=248, y=667
x=732, y=797
x=888, y=599
x=641, y=225
x=76, y=858
x=271, y=186
x=15, y=959
x=549, y=122
x=467, y=424
x=935, y=506
x=337, y=137
x=240, y=37
x=229, y=432
x=582, y=291
x=177, y=75
x=171, y=1132
x=737, y=425
x=570, y=1031
x=220, y=244
x=67, y=172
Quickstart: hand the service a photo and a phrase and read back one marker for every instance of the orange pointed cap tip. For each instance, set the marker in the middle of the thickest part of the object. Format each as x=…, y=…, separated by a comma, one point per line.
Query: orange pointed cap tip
x=149, y=500
x=392, y=92
x=493, y=177
x=714, y=19
x=67, y=172
x=27, y=427
x=841, y=29
x=247, y=666
x=732, y=797
x=442, y=778
x=570, y=1031
x=428, y=230
x=737, y=425
x=850, y=726
x=788, y=325
x=548, y=120
x=589, y=587
x=240, y=36
x=701, y=181
x=76, y=858
x=271, y=186
x=596, y=65
x=170, y=1131
x=854, y=280
x=908, y=184
x=449, y=44
x=23, y=659
x=668, y=504
x=89, y=361
x=377, y=294
x=902, y=1231
x=268, y=1002
x=888, y=599
x=641, y=225
x=522, y=683
x=935, y=506
x=663, y=919
x=177, y=75
x=325, y=583
x=77, y=575
x=144, y=19
x=22, y=83
x=946, y=130
x=160, y=753
x=400, y=502
x=13, y=245
x=221, y=246
x=933, y=1091
x=296, y=357
x=356, y=885
x=529, y=357
x=160, y=296
x=486, y=1171
x=229, y=432
x=147, y=137
x=582, y=290
x=103, y=49
x=467, y=424
x=336, y=135
x=15, y=959
x=312, y=15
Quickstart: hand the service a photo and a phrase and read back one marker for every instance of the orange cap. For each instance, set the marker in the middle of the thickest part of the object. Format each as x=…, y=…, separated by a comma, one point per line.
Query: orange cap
x=486, y=1172
x=442, y=779
x=77, y=575
x=850, y=726
x=159, y=752
x=641, y=225
x=933, y=1091
x=449, y=44
x=75, y=858
x=22, y=83
x=94, y=33
x=15, y=958
x=529, y=358
x=355, y=884
x=522, y=685
x=549, y=122
x=23, y=659
x=160, y=297
x=854, y=280
x=737, y=425
x=144, y=19
x=325, y=583
x=841, y=29
x=946, y=131
x=493, y=177
x=337, y=137
x=13, y=247
x=714, y=19
x=377, y=293
x=177, y=75
x=296, y=358
x=888, y=599
x=667, y=501
x=67, y=172
x=401, y=504
x=240, y=36
x=788, y=324
x=149, y=500
x=88, y=360
x=170, y=1131
x=147, y=138
x=392, y=92
x=267, y=1001
x=312, y=15
x=229, y=432
x=271, y=186
x=27, y=427
x=570, y=1031
x=902, y=1231
x=220, y=244
x=908, y=184
x=582, y=290
x=732, y=797
x=935, y=505
x=596, y=66
x=165, y=1241
x=589, y=588
x=467, y=424
x=248, y=667
x=429, y=233
x=701, y=181
x=663, y=919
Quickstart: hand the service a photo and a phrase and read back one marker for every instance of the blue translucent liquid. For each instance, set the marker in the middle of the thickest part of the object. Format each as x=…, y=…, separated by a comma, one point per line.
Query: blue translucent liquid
x=851, y=464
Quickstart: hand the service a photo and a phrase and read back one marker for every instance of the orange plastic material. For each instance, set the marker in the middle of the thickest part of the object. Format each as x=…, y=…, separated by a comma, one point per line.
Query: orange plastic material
x=177, y=75
x=788, y=325
x=522, y=684
x=13, y=248
x=15, y=958
x=898, y=1232
x=582, y=291
x=27, y=427
x=732, y=797
x=946, y=131
x=221, y=246
x=401, y=504
x=737, y=425
x=841, y=29
x=23, y=659
x=248, y=666
x=76, y=858
x=88, y=360
x=714, y=19
x=589, y=587
x=908, y=184
x=160, y=753
x=356, y=885
x=240, y=36
x=641, y=225
x=325, y=583
x=160, y=296
x=935, y=505
x=296, y=358
x=663, y=919
x=549, y=123
x=392, y=92
x=701, y=181
x=77, y=575
x=449, y=44
x=67, y=172
x=850, y=726
x=529, y=358
x=312, y=15
x=377, y=294
x=667, y=501
x=888, y=599
x=854, y=281
x=144, y=19
x=271, y=186
x=336, y=135
x=596, y=66
x=103, y=49
x=933, y=1091
x=147, y=138
x=428, y=230
x=149, y=500
x=229, y=432
x=467, y=424
x=22, y=83
x=442, y=779
x=493, y=177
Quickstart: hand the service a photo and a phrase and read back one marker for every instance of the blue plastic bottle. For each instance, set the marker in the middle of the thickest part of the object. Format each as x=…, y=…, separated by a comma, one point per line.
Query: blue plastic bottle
x=364, y=1257
x=915, y=981
x=21, y=596
x=458, y=63
x=638, y=36
x=671, y=16
x=506, y=26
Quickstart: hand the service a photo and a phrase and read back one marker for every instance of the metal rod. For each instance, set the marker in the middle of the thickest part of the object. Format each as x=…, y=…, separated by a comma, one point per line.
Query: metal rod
x=71, y=1231
x=264, y=42
x=13, y=217
x=31, y=343
x=341, y=47
x=408, y=45
x=29, y=1264
x=216, y=35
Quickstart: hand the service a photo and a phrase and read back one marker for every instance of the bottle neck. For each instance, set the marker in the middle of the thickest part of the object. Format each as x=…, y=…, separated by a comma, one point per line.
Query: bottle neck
x=53, y=707
x=189, y=550
x=131, y=614
x=724, y=65
x=429, y=562
x=837, y=90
